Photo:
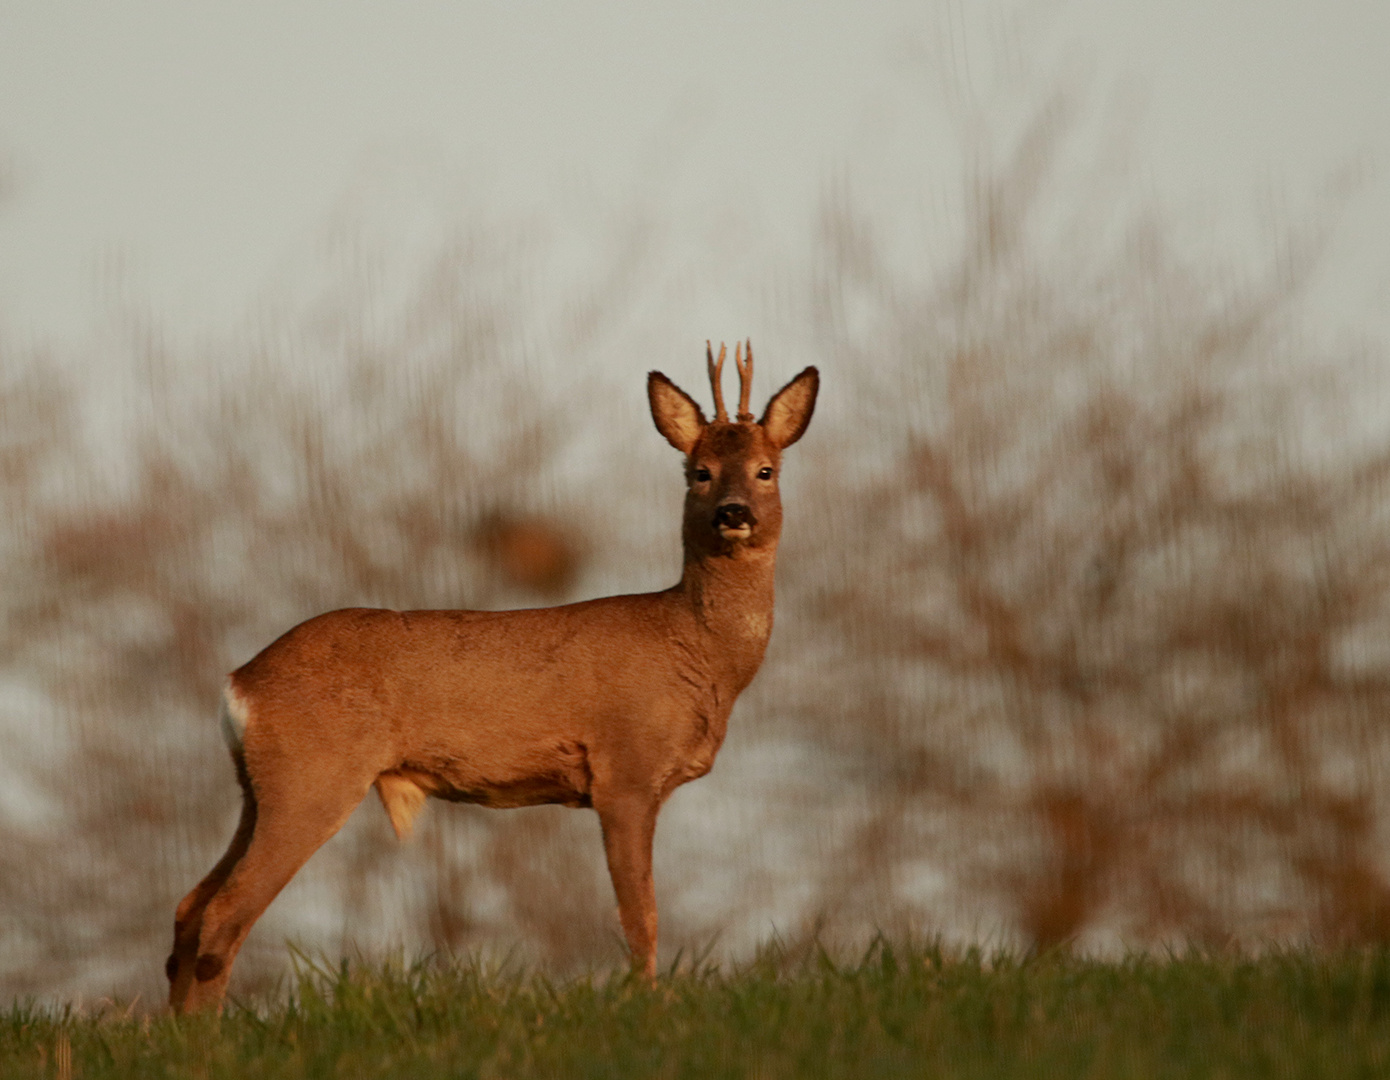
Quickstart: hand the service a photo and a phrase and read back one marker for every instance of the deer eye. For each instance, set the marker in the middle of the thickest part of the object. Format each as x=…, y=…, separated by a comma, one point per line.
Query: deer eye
x=765, y=473
x=702, y=475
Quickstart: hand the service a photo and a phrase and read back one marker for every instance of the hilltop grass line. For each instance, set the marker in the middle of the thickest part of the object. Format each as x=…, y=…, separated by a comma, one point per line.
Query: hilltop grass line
x=897, y=1011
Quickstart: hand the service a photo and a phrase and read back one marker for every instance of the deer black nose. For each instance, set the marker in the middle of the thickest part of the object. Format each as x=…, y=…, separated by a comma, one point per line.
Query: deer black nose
x=734, y=516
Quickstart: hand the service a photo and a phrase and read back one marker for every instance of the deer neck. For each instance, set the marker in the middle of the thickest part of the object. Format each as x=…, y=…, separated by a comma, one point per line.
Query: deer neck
x=731, y=598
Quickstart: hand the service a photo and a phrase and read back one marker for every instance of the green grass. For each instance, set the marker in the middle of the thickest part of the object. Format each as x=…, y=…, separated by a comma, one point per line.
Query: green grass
x=897, y=1012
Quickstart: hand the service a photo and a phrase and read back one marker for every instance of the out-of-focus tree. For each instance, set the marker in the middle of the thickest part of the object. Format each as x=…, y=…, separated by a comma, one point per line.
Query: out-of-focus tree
x=1107, y=642
x=401, y=458
x=1079, y=615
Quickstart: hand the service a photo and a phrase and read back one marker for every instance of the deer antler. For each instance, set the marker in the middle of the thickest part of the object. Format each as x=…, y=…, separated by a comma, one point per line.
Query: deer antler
x=716, y=377
x=745, y=381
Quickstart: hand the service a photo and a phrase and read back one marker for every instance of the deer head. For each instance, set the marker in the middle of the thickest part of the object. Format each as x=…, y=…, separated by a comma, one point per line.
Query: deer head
x=732, y=504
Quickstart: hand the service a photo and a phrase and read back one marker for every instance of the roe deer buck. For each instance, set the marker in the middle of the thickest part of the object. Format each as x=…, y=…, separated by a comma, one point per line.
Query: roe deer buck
x=610, y=703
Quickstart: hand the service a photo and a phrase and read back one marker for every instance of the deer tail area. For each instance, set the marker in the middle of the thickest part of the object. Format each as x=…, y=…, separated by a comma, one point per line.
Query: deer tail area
x=232, y=717
x=401, y=796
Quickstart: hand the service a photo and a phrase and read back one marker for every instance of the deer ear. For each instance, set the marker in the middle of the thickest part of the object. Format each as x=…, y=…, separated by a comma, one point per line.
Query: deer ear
x=674, y=412
x=789, y=412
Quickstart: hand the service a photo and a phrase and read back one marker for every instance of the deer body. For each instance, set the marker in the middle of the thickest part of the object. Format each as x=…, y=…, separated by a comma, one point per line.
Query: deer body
x=609, y=703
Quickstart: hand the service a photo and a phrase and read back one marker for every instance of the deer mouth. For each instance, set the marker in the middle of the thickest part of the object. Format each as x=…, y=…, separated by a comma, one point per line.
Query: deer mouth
x=734, y=521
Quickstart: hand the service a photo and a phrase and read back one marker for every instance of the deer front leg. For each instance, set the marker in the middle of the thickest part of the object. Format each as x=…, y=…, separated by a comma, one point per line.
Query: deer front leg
x=629, y=824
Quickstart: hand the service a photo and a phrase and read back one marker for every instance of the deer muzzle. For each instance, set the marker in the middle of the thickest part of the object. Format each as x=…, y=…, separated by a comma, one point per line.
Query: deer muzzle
x=734, y=521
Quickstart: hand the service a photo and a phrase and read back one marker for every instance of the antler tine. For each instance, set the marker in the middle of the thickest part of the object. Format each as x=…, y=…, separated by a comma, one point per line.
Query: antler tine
x=716, y=378
x=745, y=380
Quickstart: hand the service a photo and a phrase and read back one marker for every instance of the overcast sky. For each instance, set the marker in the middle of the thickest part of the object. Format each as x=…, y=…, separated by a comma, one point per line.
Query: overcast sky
x=198, y=151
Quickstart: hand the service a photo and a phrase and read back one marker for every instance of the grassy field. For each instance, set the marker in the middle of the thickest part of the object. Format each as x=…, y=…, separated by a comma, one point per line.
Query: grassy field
x=896, y=1012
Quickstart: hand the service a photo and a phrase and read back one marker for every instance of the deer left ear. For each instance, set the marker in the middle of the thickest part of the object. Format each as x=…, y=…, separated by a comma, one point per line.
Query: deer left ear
x=788, y=414
x=674, y=412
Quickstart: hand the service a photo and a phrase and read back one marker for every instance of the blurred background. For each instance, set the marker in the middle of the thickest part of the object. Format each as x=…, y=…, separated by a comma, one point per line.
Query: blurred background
x=1084, y=597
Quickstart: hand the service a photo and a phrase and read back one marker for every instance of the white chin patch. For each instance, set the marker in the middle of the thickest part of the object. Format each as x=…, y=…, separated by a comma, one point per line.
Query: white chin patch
x=743, y=532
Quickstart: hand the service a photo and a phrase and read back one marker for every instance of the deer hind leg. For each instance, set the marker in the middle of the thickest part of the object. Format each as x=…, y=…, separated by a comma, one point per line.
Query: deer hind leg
x=286, y=826
x=188, y=919
x=629, y=824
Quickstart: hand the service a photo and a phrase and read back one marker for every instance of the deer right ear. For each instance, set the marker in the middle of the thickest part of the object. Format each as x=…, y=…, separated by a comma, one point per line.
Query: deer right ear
x=674, y=412
x=789, y=412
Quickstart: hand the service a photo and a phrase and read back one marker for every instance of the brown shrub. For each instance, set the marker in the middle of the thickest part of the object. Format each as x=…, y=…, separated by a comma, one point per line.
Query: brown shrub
x=1106, y=607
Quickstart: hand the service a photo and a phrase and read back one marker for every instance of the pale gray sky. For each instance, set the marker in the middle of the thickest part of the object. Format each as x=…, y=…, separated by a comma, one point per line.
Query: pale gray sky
x=196, y=152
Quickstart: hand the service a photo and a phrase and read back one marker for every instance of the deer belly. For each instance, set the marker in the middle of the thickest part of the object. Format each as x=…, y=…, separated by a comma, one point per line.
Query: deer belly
x=558, y=773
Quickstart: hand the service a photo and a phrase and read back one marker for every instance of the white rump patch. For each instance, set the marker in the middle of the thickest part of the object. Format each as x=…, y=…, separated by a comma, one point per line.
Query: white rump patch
x=233, y=717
